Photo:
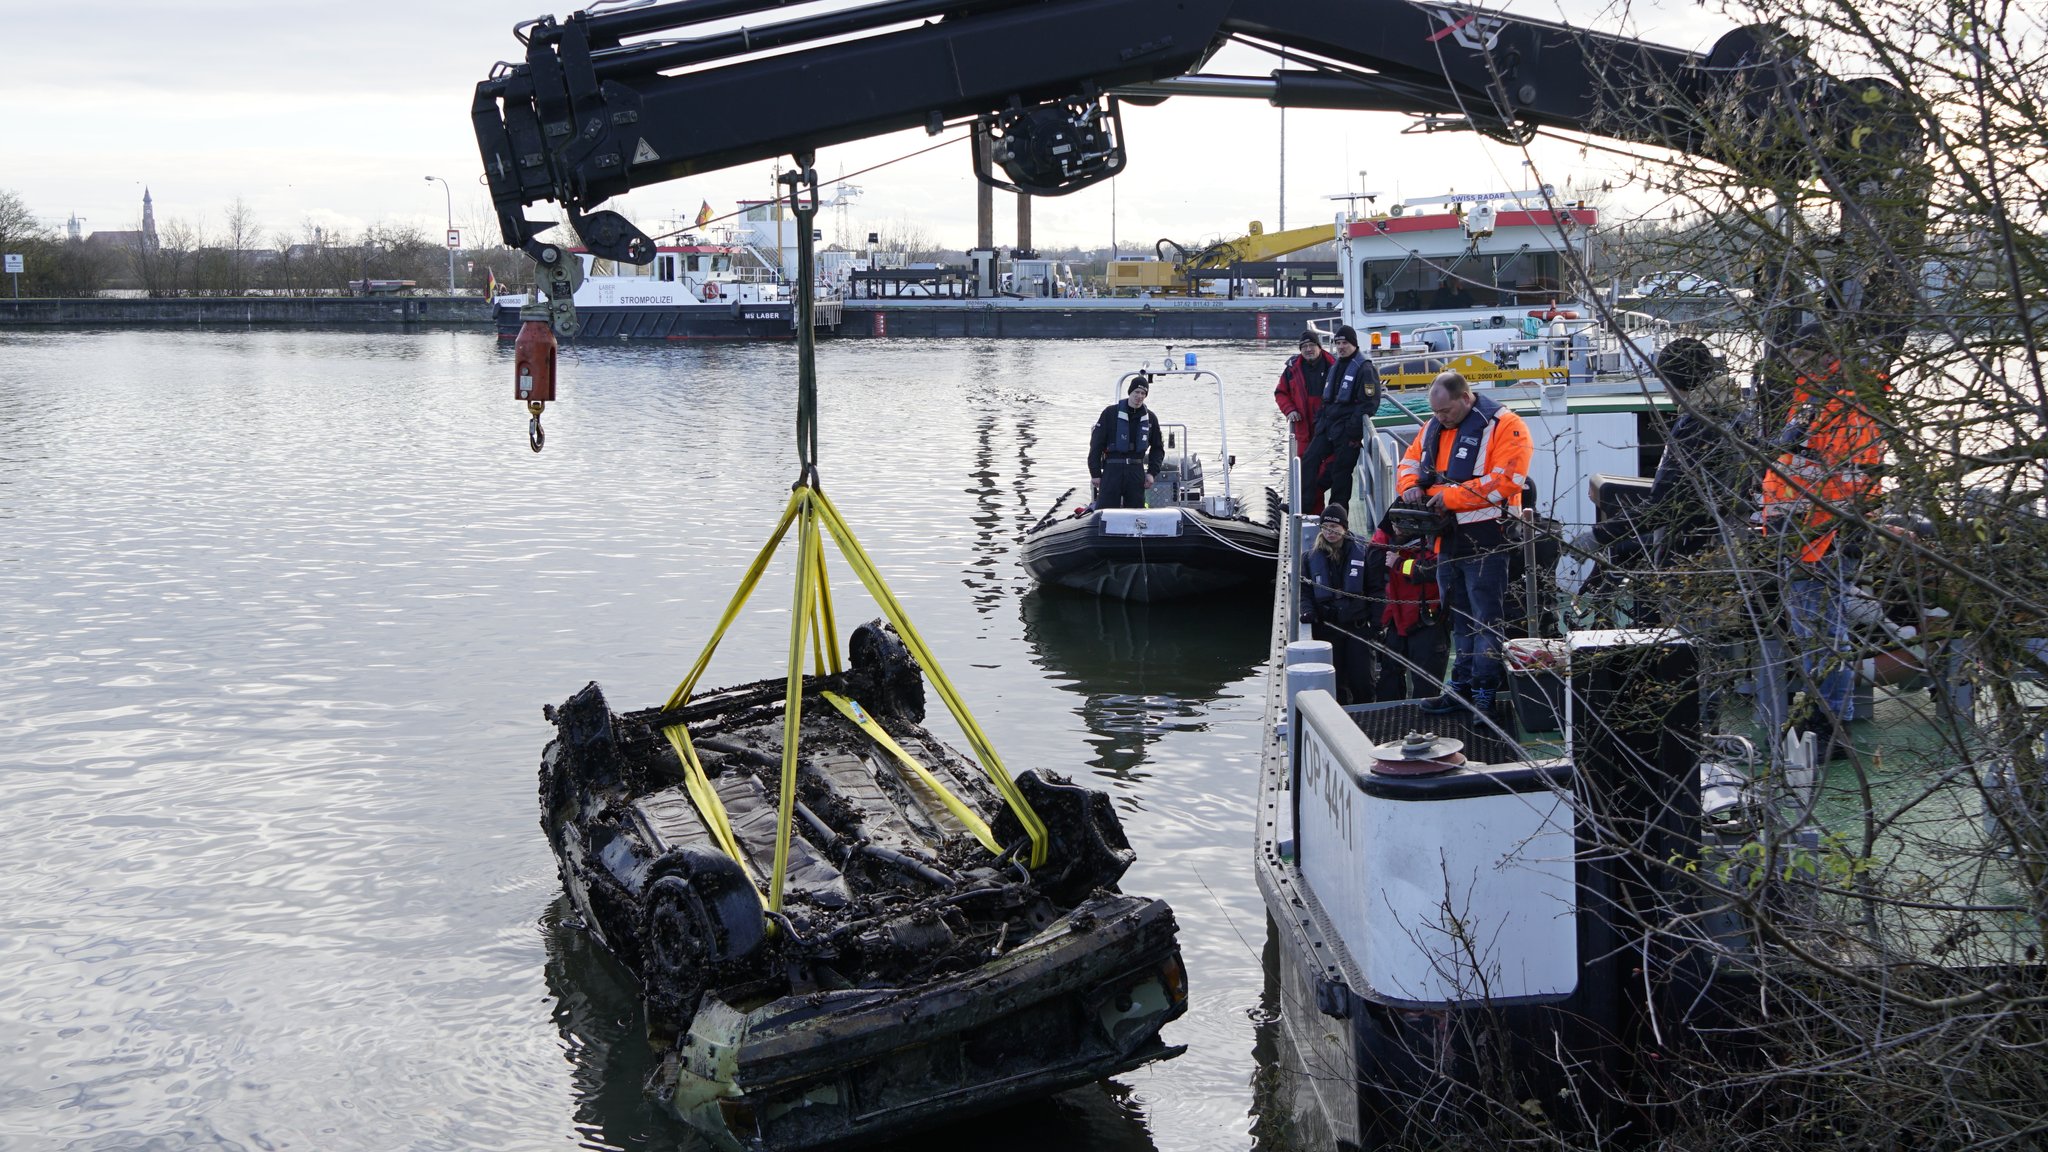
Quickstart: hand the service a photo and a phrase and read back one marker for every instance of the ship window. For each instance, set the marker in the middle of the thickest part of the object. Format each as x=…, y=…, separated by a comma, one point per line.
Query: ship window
x=757, y=212
x=1401, y=285
x=1532, y=278
x=668, y=268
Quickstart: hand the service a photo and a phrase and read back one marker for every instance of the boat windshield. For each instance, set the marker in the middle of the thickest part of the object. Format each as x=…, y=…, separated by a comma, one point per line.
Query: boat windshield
x=1415, y=283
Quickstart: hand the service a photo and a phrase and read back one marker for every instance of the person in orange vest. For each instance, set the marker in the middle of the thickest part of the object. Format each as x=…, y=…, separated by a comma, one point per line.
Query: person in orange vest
x=1400, y=583
x=1300, y=397
x=1469, y=465
x=1833, y=450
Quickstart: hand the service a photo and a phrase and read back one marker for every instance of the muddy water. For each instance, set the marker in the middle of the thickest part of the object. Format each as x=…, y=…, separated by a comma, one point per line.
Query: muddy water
x=278, y=613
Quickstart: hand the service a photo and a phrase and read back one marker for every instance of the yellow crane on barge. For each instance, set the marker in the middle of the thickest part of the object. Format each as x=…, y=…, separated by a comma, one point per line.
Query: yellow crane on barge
x=1182, y=274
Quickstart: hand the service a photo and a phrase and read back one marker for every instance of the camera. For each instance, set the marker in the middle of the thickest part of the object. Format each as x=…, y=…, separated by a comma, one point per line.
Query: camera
x=1408, y=524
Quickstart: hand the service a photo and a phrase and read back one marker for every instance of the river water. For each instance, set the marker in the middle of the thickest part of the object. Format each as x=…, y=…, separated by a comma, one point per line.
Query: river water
x=278, y=614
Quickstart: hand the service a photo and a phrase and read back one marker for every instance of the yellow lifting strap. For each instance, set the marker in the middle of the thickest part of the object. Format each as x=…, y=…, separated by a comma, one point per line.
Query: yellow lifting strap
x=811, y=612
x=706, y=798
x=984, y=751
x=968, y=816
x=752, y=577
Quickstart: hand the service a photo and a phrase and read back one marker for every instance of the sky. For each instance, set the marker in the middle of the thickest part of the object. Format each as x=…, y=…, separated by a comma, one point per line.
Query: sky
x=314, y=112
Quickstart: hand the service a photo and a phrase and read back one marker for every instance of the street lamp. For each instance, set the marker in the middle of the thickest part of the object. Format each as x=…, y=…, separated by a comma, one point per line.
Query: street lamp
x=451, y=229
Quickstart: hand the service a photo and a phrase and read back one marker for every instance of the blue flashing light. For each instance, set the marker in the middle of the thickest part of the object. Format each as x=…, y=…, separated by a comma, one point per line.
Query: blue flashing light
x=1188, y=359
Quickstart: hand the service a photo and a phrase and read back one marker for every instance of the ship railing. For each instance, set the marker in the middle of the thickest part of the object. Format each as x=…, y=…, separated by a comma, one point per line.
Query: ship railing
x=1588, y=347
x=1290, y=587
x=1442, y=338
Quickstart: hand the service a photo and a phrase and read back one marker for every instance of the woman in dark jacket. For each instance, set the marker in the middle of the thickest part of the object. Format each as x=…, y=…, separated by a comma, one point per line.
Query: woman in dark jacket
x=1334, y=601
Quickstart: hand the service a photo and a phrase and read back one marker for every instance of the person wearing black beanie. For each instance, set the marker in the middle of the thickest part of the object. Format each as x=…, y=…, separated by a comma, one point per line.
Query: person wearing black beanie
x=1300, y=393
x=1703, y=477
x=1351, y=394
x=1334, y=603
x=1125, y=451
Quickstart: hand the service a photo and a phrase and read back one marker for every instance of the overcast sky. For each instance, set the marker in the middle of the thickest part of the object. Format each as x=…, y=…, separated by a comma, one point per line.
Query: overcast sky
x=315, y=111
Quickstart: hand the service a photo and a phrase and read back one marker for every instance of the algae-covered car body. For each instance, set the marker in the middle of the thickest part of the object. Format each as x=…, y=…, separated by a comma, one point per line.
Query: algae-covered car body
x=913, y=975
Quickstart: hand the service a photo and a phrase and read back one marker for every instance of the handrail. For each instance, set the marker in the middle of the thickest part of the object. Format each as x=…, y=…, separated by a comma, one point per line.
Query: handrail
x=1290, y=582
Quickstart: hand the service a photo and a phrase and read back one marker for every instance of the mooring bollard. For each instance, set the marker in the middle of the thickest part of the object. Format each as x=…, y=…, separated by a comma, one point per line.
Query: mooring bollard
x=1308, y=673
x=1301, y=654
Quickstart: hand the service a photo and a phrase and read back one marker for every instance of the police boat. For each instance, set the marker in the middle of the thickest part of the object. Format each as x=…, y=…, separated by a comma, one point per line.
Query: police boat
x=1184, y=542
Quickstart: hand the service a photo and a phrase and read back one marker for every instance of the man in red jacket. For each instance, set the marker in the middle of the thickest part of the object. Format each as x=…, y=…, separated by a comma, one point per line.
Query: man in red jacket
x=1300, y=396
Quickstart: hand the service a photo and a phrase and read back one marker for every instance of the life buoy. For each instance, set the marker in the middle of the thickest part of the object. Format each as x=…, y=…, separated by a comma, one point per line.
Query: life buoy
x=711, y=291
x=1547, y=314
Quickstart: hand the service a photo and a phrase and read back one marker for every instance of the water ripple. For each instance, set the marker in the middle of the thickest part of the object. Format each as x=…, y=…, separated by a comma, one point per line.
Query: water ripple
x=270, y=683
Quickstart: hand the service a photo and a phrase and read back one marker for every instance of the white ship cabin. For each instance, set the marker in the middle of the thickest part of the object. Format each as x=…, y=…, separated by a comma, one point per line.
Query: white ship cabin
x=679, y=274
x=1485, y=275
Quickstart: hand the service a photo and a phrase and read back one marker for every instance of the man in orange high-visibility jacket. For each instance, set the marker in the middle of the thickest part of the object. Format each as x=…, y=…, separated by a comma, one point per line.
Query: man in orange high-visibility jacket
x=1833, y=451
x=1469, y=464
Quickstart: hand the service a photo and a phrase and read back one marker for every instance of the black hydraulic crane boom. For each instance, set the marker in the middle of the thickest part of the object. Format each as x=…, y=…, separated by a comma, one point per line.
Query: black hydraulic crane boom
x=593, y=112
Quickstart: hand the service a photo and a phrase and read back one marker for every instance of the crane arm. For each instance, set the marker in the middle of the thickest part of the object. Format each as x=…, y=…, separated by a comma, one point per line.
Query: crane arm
x=586, y=117
x=1258, y=245
x=594, y=111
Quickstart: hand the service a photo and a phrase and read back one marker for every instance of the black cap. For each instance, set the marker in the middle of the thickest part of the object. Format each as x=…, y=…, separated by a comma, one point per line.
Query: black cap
x=1686, y=363
x=1144, y=382
x=1336, y=514
x=1348, y=335
x=1308, y=336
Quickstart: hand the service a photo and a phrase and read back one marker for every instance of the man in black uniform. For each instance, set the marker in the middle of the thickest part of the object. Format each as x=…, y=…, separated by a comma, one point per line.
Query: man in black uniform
x=1351, y=394
x=1126, y=450
x=1703, y=470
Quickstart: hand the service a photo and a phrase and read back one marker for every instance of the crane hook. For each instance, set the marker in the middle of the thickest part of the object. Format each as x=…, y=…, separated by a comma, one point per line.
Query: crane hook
x=534, y=435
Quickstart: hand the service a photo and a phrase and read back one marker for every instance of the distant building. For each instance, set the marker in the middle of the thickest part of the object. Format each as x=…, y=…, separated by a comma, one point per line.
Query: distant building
x=130, y=239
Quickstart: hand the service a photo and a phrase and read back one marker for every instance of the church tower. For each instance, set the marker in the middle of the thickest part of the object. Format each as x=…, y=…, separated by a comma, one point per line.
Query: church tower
x=148, y=221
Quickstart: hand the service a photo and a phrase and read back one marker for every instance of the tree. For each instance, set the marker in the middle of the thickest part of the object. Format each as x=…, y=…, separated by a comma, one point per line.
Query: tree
x=75, y=268
x=1885, y=928
x=1900, y=913
x=241, y=234
x=284, y=268
x=328, y=265
x=17, y=224
x=910, y=238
